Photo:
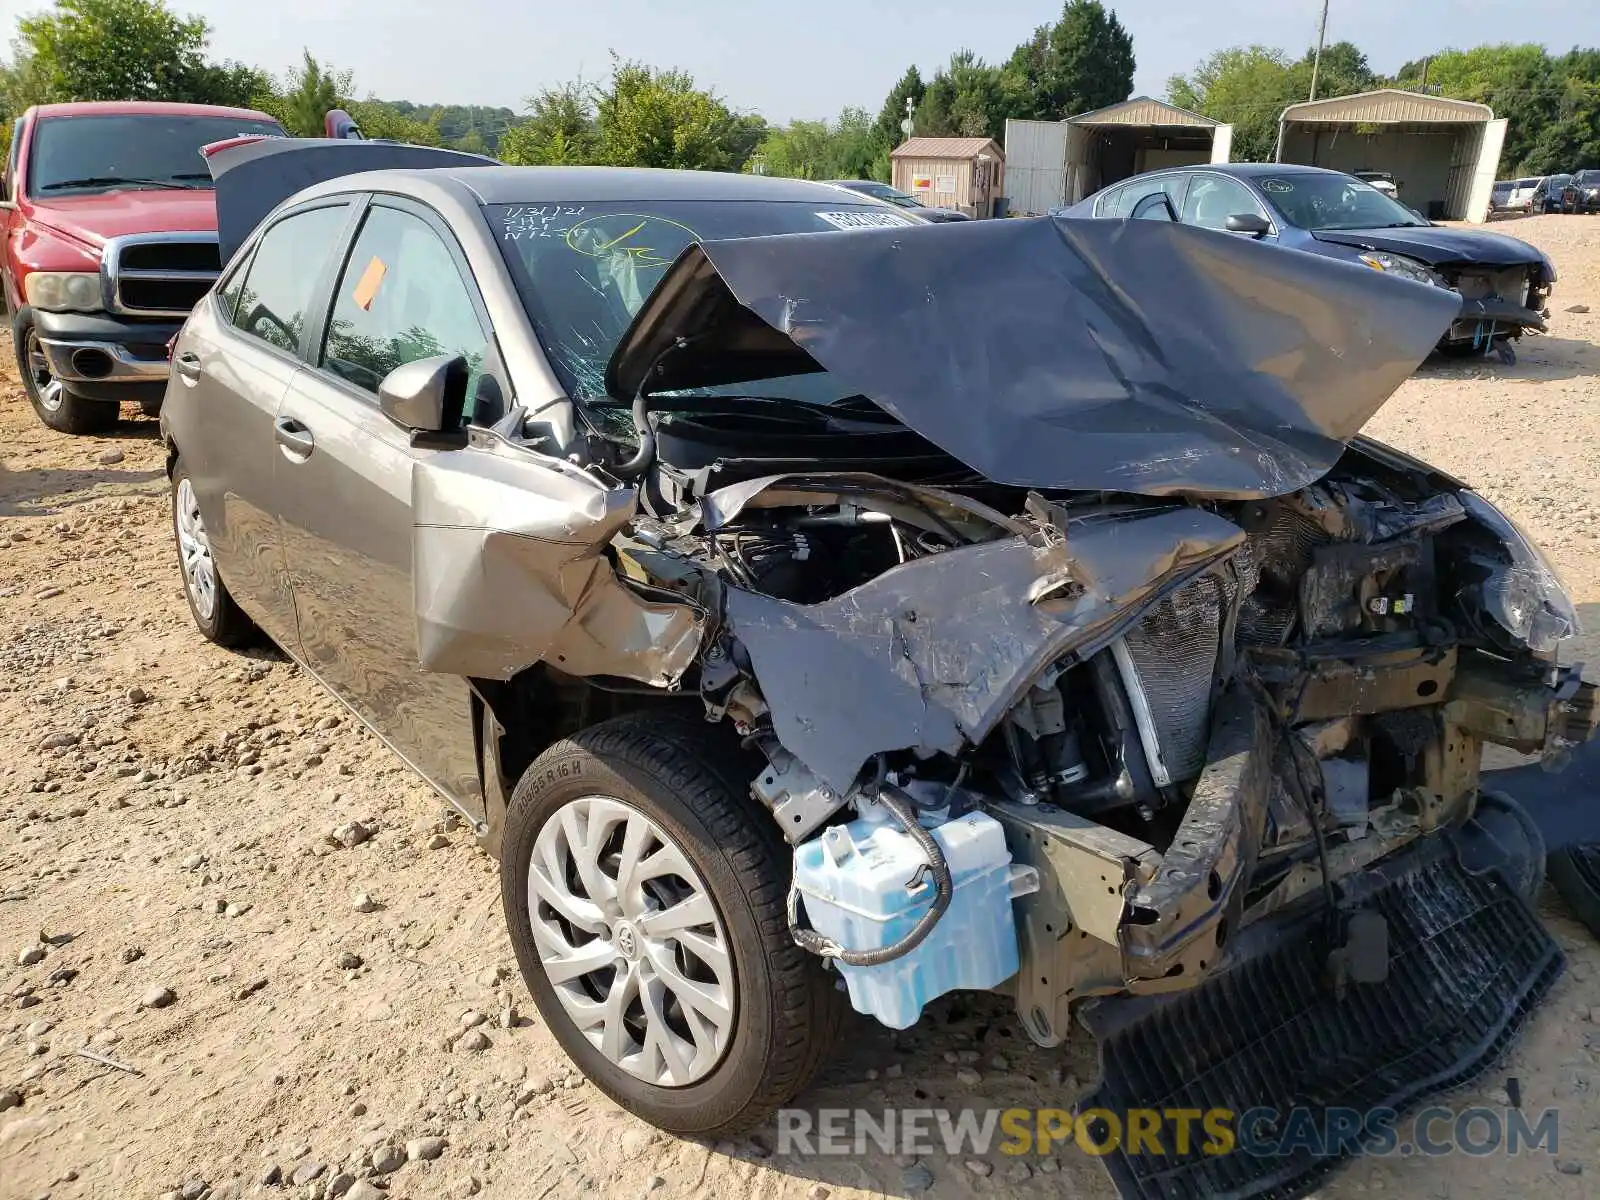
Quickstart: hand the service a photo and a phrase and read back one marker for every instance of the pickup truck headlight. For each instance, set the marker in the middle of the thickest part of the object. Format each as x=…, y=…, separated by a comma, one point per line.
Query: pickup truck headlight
x=64, y=291
x=1405, y=268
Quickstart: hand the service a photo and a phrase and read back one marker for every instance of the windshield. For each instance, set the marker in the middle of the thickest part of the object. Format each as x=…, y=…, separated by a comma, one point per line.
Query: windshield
x=584, y=270
x=1333, y=202
x=1588, y=178
x=90, y=154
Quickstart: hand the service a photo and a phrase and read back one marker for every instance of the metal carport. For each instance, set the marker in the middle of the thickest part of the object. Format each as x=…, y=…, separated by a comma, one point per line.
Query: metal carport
x=1442, y=153
x=1050, y=163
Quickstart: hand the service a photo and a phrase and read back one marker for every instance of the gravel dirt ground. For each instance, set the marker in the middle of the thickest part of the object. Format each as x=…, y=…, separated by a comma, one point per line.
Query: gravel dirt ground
x=210, y=873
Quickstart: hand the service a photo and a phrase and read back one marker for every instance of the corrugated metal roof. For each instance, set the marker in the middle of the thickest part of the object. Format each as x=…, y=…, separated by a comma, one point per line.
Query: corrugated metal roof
x=945, y=147
x=1389, y=106
x=1142, y=110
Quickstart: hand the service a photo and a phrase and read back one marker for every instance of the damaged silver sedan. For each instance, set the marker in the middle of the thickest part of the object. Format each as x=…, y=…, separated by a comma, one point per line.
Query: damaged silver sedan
x=815, y=610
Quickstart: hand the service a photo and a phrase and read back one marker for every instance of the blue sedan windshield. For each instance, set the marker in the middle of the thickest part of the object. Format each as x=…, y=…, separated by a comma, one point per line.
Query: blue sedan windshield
x=1318, y=202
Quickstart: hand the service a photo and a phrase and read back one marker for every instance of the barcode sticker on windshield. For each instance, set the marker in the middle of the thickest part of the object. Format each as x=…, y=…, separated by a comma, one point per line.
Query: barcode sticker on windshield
x=864, y=220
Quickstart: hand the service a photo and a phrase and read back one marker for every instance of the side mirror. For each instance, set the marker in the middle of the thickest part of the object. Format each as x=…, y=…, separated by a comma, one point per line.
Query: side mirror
x=426, y=396
x=1252, y=223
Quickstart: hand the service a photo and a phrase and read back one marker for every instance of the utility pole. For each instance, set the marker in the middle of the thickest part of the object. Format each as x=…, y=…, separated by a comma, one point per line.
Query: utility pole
x=1316, y=63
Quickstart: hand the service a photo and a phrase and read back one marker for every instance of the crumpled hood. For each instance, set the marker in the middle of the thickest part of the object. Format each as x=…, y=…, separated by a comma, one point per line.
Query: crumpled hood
x=1134, y=356
x=1438, y=245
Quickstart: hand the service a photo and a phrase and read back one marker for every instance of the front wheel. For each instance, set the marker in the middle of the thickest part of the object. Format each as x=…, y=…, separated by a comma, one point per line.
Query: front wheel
x=645, y=895
x=52, y=403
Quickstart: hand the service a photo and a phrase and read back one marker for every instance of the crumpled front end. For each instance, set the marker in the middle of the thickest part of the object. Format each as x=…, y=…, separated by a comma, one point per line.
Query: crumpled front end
x=1186, y=719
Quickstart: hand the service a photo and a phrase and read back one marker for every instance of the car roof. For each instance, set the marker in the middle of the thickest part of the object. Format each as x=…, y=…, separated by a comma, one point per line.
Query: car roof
x=573, y=185
x=1252, y=170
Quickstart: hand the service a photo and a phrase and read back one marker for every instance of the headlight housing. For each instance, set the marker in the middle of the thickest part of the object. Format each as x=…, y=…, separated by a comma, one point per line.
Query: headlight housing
x=64, y=291
x=1405, y=268
x=1524, y=595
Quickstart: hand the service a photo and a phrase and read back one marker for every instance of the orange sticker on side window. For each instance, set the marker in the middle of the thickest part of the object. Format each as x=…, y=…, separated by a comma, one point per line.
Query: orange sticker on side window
x=367, y=286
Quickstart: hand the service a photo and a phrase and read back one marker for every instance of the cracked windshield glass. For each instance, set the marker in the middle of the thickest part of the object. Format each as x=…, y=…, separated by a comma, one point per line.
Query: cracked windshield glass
x=584, y=270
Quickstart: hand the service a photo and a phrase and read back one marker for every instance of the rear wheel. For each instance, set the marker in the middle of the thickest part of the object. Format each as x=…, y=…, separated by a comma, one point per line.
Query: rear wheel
x=645, y=895
x=55, y=406
x=210, y=604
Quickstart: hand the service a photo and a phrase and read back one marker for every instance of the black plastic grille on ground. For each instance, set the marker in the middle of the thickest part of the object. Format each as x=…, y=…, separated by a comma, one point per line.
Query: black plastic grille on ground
x=1468, y=960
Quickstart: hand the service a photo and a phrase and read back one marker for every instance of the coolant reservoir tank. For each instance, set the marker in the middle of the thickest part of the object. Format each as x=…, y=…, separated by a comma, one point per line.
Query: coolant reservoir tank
x=865, y=885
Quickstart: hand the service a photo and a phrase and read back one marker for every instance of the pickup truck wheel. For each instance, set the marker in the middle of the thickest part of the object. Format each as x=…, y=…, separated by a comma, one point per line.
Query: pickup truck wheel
x=56, y=407
x=212, y=607
x=645, y=895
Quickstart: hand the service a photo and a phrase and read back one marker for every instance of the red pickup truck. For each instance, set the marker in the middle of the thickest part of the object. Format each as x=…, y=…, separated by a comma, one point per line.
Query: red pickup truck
x=110, y=237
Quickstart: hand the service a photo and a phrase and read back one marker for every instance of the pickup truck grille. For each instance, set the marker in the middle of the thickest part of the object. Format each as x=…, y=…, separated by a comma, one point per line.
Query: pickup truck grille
x=161, y=275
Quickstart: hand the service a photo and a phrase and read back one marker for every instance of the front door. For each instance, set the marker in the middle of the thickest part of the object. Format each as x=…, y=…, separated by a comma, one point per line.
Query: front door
x=238, y=356
x=344, y=488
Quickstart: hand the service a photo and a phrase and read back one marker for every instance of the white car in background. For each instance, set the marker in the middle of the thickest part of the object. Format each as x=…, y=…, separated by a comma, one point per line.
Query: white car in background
x=1523, y=192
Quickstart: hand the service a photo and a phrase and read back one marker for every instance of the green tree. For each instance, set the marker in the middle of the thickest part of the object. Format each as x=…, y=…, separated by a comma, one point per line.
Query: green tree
x=112, y=50
x=1344, y=70
x=965, y=99
x=648, y=117
x=1522, y=83
x=232, y=83
x=1082, y=62
x=846, y=149
x=560, y=128
x=1248, y=87
x=380, y=119
x=887, y=127
x=1570, y=139
x=308, y=93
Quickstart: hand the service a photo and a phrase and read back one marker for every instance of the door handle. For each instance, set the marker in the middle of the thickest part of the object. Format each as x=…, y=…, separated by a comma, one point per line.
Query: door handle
x=188, y=365
x=294, y=437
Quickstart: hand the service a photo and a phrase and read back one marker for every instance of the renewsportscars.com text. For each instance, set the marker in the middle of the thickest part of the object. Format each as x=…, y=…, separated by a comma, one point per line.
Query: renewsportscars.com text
x=1260, y=1132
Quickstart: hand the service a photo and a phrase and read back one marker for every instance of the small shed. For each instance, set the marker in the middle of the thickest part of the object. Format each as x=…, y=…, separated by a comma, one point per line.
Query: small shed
x=964, y=173
x=1052, y=163
x=1442, y=153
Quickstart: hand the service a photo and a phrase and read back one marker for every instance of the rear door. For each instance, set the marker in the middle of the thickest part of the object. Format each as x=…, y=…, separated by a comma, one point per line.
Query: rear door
x=234, y=361
x=343, y=481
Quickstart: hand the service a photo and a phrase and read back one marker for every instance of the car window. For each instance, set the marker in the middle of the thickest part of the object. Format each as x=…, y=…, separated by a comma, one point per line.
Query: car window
x=401, y=297
x=1157, y=206
x=1110, y=202
x=1326, y=200
x=277, y=288
x=1212, y=199
x=1138, y=191
x=75, y=154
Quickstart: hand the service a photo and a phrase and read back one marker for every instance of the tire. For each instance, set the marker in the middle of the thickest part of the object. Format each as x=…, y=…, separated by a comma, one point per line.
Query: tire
x=52, y=403
x=215, y=613
x=1509, y=824
x=1575, y=871
x=689, y=782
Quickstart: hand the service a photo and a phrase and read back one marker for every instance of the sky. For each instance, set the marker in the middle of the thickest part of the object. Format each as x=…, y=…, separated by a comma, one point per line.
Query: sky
x=789, y=61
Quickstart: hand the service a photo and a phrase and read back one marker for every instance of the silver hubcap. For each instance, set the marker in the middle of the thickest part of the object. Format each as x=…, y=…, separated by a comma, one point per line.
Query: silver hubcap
x=631, y=941
x=45, y=384
x=194, y=552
